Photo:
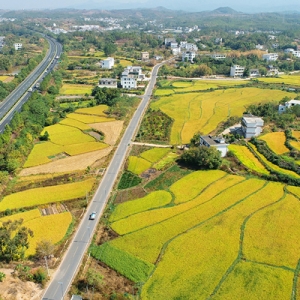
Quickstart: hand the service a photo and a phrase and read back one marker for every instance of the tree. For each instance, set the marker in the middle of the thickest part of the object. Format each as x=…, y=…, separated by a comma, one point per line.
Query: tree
x=44, y=248
x=202, y=158
x=110, y=49
x=95, y=279
x=14, y=240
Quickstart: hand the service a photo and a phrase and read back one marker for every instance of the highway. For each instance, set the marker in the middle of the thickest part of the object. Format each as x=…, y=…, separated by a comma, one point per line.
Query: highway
x=71, y=261
x=15, y=100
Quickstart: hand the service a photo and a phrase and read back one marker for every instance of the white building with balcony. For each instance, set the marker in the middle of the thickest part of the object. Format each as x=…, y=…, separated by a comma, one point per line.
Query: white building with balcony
x=288, y=104
x=108, y=83
x=237, y=71
x=107, y=63
x=188, y=55
x=270, y=56
x=251, y=126
x=130, y=76
x=218, y=56
x=18, y=46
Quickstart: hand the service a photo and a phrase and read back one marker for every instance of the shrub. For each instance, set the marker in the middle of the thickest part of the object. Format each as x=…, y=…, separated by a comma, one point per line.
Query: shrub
x=128, y=180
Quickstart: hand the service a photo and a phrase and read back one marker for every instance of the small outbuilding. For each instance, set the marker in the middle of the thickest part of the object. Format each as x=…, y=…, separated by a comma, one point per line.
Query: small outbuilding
x=214, y=141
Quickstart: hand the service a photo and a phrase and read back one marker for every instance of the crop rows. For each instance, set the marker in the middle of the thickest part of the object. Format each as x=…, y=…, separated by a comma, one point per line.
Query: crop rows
x=275, y=141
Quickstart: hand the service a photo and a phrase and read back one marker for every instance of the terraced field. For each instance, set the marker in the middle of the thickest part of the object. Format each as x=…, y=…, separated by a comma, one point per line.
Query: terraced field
x=275, y=141
x=283, y=79
x=76, y=89
x=202, y=112
x=51, y=227
x=228, y=237
x=71, y=136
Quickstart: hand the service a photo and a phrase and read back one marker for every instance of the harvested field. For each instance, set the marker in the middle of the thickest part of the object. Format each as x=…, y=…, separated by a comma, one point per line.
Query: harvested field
x=68, y=164
x=89, y=118
x=111, y=130
x=76, y=89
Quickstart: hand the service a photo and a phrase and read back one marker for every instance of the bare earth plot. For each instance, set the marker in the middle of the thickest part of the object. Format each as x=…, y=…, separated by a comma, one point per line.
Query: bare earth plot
x=78, y=162
x=111, y=130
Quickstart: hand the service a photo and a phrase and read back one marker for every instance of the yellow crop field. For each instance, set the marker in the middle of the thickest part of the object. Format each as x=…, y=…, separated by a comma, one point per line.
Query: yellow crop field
x=275, y=141
x=151, y=217
x=155, y=154
x=51, y=227
x=285, y=79
x=152, y=200
x=253, y=281
x=138, y=165
x=76, y=89
x=125, y=63
x=165, y=161
x=75, y=123
x=295, y=144
x=163, y=92
x=180, y=84
x=205, y=253
x=89, y=119
x=95, y=110
x=192, y=185
x=296, y=134
x=40, y=177
x=202, y=112
x=26, y=216
x=294, y=190
x=67, y=135
x=44, y=195
x=248, y=159
x=147, y=242
x=4, y=78
x=273, y=166
x=76, y=149
x=40, y=154
x=272, y=234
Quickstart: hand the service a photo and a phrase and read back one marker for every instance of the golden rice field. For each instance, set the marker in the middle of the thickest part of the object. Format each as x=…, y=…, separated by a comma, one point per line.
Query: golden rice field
x=88, y=119
x=275, y=141
x=295, y=144
x=125, y=63
x=203, y=112
x=76, y=89
x=158, y=234
x=138, y=165
x=75, y=123
x=98, y=110
x=273, y=166
x=248, y=159
x=155, y=154
x=207, y=262
x=49, y=194
x=237, y=239
x=152, y=200
x=150, y=217
x=296, y=134
x=51, y=227
x=284, y=79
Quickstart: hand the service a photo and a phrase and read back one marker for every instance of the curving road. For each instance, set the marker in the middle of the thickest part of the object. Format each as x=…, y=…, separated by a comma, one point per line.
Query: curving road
x=63, y=277
x=15, y=100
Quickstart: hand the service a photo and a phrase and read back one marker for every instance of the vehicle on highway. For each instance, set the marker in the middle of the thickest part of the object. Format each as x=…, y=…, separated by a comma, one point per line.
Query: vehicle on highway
x=92, y=216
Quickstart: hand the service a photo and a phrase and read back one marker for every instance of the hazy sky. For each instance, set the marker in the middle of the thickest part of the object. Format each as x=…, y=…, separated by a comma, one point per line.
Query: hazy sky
x=194, y=5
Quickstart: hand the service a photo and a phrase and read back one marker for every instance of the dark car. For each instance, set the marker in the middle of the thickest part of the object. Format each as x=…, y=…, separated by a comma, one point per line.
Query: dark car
x=92, y=216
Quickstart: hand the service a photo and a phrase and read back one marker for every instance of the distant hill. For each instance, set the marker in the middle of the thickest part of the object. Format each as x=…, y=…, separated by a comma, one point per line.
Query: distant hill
x=224, y=11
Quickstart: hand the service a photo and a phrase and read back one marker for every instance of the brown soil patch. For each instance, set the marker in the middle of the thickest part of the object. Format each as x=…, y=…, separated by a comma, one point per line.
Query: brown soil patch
x=9, y=79
x=15, y=289
x=73, y=163
x=111, y=130
x=129, y=194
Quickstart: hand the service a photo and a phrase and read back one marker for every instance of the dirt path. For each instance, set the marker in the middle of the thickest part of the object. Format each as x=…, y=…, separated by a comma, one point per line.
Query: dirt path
x=152, y=145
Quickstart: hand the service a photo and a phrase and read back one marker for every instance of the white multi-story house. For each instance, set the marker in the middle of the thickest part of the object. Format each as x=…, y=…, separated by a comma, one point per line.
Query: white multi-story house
x=296, y=53
x=188, y=46
x=218, y=56
x=107, y=63
x=18, y=46
x=173, y=45
x=254, y=73
x=237, y=71
x=130, y=76
x=108, y=83
x=259, y=47
x=288, y=104
x=214, y=141
x=275, y=45
x=270, y=56
x=289, y=50
x=272, y=71
x=176, y=51
x=188, y=55
x=251, y=126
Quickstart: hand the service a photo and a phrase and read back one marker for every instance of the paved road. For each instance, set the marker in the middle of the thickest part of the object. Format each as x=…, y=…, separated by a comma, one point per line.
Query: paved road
x=63, y=277
x=20, y=95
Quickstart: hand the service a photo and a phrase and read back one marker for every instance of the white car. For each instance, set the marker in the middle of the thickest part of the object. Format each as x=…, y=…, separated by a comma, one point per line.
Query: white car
x=92, y=216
